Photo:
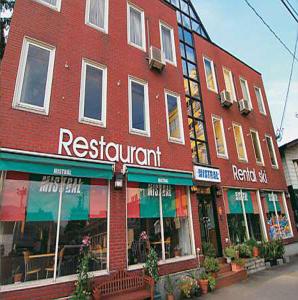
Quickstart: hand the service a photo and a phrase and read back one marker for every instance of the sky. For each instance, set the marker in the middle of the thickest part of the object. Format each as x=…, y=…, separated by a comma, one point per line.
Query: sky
x=234, y=26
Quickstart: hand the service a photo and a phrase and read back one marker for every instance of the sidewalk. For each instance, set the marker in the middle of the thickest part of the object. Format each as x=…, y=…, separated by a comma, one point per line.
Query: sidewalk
x=278, y=283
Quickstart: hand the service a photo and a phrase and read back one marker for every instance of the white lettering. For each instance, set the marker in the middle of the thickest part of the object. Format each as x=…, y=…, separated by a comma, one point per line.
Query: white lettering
x=64, y=144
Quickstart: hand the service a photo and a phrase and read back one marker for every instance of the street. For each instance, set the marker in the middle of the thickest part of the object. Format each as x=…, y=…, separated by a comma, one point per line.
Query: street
x=278, y=283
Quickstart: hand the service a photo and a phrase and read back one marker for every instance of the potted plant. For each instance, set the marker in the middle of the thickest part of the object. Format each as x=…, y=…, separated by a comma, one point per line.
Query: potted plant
x=211, y=265
x=230, y=253
x=151, y=269
x=238, y=264
x=17, y=276
x=211, y=283
x=188, y=287
x=253, y=244
x=177, y=251
x=204, y=282
x=244, y=251
x=208, y=249
x=169, y=287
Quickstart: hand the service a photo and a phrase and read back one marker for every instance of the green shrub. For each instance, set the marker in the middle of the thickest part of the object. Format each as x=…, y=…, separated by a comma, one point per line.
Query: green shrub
x=211, y=265
x=251, y=243
x=208, y=249
x=203, y=276
x=244, y=251
x=239, y=262
x=212, y=283
x=230, y=252
x=169, y=285
x=272, y=250
x=151, y=265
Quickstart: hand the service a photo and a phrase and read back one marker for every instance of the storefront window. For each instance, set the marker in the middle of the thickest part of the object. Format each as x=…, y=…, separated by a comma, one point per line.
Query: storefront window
x=243, y=216
x=29, y=216
x=157, y=216
x=277, y=217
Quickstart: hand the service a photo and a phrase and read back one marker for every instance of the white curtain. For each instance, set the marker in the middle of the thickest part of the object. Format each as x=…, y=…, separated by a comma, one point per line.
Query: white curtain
x=136, y=27
x=97, y=12
x=167, y=44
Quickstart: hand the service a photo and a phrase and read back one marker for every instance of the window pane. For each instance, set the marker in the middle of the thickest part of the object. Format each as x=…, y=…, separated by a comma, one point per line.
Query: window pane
x=229, y=83
x=260, y=100
x=202, y=153
x=186, y=21
x=191, y=128
x=190, y=53
x=194, y=152
x=35, y=76
x=188, y=37
x=256, y=145
x=93, y=93
x=219, y=137
x=194, y=89
x=192, y=69
x=199, y=129
x=52, y=2
x=184, y=67
x=173, y=117
x=244, y=89
x=239, y=142
x=197, y=109
x=184, y=7
x=83, y=213
x=138, y=106
x=182, y=50
x=271, y=151
x=136, y=31
x=167, y=43
x=209, y=75
x=97, y=12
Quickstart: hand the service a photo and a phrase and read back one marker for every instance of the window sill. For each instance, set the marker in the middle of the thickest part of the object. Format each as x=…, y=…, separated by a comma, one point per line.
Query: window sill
x=46, y=282
x=92, y=122
x=174, y=141
x=173, y=63
x=141, y=133
x=56, y=8
x=31, y=109
x=142, y=48
x=103, y=30
x=213, y=91
x=222, y=156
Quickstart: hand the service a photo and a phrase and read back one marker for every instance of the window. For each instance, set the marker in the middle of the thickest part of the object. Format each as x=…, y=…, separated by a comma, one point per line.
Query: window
x=210, y=75
x=239, y=140
x=271, y=150
x=34, y=80
x=136, y=27
x=220, y=140
x=168, y=43
x=260, y=100
x=93, y=93
x=97, y=14
x=158, y=217
x=257, y=147
x=138, y=107
x=174, y=118
x=229, y=82
x=245, y=91
x=55, y=4
x=35, y=230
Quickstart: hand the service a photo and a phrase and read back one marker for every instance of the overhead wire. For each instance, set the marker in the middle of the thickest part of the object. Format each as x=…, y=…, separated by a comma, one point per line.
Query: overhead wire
x=287, y=6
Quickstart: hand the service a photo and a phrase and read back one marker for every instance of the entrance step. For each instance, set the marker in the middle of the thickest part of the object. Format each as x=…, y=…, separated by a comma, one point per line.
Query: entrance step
x=229, y=278
x=224, y=268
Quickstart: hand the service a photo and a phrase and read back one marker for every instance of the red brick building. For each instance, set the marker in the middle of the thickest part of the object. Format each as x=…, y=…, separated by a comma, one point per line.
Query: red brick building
x=95, y=142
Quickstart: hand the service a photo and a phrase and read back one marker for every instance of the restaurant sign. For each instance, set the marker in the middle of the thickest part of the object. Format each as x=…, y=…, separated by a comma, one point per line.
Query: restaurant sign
x=207, y=174
x=249, y=175
x=100, y=149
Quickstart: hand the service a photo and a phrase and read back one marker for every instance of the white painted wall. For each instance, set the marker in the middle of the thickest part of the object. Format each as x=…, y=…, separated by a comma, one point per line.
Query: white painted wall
x=290, y=164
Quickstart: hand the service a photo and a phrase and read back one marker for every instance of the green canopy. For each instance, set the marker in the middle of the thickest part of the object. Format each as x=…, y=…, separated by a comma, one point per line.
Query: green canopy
x=154, y=176
x=54, y=166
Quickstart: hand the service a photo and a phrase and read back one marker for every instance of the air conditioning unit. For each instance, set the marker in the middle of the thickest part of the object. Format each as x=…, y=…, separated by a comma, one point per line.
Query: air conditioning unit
x=226, y=99
x=244, y=107
x=156, y=59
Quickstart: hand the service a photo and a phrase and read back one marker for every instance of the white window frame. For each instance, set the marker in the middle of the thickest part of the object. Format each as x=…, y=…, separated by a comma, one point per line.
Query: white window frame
x=163, y=24
x=243, y=141
x=247, y=89
x=274, y=152
x=132, y=130
x=181, y=128
x=262, y=101
x=213, y=74
x=82, y=118
x=234, y=97
x=106, y=17
x=225, y=155
x=55, y=7
x=17, y=104
x=165, y=260
x=259, y=145
x=143, y=47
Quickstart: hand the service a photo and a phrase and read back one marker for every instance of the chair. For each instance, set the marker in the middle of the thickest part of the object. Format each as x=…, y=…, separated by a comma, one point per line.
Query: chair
x=29, y=270
x=51, y=268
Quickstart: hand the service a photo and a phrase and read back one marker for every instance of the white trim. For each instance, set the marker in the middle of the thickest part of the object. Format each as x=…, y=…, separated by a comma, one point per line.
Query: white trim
x=132, y=130
x=275, y=166
x=213, y=74
x=17, y=104
x=233, y=94
x=261, y=212
x=105, y=28
x=287, y=213
x=56, y=156
x=143, y=46
x=243, y=142
x=108, y=225
x=190, y=223
x=163, y=24
x=247, y=89
x=180, y=120
x=225, y=155
x=55, y=7
x=82, y=118
x=259, y=146
x=262, y=101
x=162, y=230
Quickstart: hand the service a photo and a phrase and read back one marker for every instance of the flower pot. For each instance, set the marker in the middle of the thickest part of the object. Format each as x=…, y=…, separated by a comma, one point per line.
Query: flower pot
x=255, y=252
x=17, y=278
x=204, y=285
x=170, y=297
x=236, y=268
x=177, y=253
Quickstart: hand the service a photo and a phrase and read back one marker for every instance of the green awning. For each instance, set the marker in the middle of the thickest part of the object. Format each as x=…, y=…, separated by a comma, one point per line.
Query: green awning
x=154, y=176
x=54, y=166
